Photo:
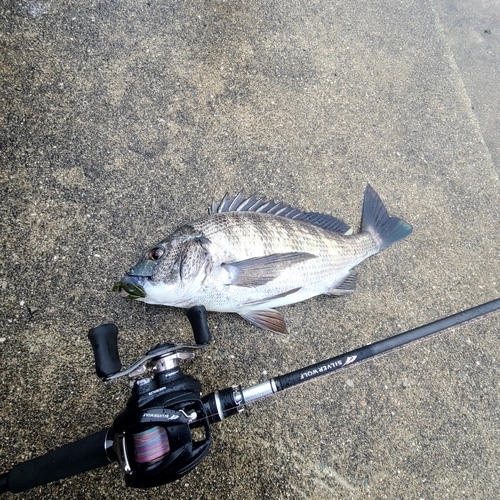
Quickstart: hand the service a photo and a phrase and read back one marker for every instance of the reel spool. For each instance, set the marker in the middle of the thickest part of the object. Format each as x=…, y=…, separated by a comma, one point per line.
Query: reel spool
x=151, y=445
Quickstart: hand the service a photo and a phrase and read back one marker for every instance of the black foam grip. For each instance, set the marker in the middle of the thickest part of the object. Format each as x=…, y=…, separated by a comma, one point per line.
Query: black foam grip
x=104, y=340
x=198, y=318
x=74, y=458
x=4, y=484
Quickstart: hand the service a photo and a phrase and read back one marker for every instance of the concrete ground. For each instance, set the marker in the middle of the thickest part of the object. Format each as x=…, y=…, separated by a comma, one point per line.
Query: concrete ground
x=122, y=120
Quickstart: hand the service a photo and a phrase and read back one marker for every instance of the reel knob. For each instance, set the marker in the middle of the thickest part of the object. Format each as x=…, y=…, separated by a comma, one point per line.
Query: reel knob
x=104, y=343
x=197, y=316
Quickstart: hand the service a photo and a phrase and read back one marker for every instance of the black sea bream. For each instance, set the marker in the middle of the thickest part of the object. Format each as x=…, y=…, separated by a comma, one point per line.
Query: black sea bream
x=250, y=255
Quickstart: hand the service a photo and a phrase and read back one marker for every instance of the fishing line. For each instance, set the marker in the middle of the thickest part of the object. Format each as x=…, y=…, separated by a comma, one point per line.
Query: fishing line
x=151, y=445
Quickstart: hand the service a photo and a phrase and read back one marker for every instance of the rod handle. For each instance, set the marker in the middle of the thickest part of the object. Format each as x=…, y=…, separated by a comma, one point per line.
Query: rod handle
x=74, y=458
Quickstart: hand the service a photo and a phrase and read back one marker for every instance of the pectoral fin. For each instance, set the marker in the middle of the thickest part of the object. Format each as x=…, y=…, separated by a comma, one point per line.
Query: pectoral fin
x=268, y=319
x=260, y=270
x=254, y=303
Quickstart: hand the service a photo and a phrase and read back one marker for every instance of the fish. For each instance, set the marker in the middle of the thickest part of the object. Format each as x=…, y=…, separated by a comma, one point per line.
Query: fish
x=250, y=255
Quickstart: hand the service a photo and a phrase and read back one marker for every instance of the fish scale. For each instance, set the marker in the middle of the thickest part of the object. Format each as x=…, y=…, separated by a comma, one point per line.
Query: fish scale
x=261, y=234
x=250, y=255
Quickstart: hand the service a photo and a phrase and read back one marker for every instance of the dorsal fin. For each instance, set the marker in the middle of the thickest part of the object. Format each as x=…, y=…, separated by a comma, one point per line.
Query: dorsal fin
x=240, y=203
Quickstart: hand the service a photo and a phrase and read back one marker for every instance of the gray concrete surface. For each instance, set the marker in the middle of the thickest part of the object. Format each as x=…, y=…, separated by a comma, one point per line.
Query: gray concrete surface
x=121, y=120
x=471, y=29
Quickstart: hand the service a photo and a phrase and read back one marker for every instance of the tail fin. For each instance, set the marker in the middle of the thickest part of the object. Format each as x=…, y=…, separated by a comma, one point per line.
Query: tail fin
x=385, y=229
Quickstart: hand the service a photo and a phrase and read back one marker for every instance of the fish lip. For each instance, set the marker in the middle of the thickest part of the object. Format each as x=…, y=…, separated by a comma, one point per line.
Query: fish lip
x=131, y=287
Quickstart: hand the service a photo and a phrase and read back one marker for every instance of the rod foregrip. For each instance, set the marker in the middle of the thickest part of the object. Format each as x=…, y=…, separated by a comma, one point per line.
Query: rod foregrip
x=74, y=458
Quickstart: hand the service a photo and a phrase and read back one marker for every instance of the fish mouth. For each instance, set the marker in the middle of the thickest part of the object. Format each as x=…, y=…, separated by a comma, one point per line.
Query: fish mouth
x=130, y=287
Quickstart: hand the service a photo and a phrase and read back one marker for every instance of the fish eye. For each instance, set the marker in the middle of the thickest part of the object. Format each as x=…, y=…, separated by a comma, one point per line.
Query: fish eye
x=156, y=253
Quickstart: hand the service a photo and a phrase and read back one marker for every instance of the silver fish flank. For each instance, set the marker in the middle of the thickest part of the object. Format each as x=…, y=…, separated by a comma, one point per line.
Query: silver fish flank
x=250, y=255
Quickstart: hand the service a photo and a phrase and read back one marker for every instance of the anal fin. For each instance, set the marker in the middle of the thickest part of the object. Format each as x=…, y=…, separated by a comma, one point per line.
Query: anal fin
x=268, y=319
x=347, y=286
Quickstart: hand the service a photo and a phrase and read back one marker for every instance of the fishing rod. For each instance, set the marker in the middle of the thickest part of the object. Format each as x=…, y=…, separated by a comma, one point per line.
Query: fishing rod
x=151, y=438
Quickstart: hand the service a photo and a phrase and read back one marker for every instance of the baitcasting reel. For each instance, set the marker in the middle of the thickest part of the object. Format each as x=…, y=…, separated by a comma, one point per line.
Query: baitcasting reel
x=151, y=438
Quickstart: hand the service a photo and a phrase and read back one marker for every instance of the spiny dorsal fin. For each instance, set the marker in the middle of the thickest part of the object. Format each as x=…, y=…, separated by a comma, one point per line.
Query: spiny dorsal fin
x=240, y=203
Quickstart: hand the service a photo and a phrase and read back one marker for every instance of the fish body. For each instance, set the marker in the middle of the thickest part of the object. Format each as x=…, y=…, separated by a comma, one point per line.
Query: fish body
x=250, y=255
